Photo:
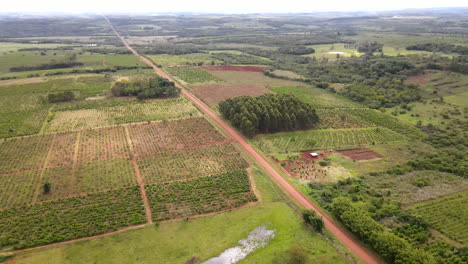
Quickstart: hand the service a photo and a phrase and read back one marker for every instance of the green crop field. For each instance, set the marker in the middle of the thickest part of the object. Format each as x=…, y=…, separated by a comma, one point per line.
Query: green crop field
x=324, y=139
x=66, y=219
x=93, y=173
x=192, y=74
x=448, y=214
x=201, y=195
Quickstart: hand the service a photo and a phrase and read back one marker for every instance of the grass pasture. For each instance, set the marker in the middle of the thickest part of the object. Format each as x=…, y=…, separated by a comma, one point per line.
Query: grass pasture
x=448, y=214
x=316, y=96
x=203, y=238
x=330, y=51
x=435, y=84
x=324, y=139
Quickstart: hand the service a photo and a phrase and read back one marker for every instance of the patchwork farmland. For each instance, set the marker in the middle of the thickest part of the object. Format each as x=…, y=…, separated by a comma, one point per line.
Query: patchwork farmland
x=94, y=173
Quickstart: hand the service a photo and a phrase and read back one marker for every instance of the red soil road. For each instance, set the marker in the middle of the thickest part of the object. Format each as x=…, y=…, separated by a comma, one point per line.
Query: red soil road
x=364, y=255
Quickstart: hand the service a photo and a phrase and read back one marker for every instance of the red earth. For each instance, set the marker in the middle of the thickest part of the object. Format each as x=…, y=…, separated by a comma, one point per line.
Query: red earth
x=235, y=68
x=420, y=79
x=361, y=154
x=360, y=251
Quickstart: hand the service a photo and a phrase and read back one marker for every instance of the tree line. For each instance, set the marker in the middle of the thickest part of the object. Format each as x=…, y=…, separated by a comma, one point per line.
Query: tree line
x=153, y=87
x=268, y=113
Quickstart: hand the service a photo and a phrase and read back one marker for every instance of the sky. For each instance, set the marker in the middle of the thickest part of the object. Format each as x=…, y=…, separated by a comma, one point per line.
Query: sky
x=217, y=6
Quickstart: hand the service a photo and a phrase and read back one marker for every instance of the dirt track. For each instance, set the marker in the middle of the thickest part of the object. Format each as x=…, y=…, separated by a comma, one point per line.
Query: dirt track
x=354, y=246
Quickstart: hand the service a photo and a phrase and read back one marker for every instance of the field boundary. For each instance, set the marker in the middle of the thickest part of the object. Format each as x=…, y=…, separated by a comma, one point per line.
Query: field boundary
x=349, y=242
x=43, y=171
x=138, y=177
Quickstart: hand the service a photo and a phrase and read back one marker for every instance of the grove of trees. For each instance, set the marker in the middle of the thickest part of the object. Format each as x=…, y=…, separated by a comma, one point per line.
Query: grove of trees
x=153, y=87
x=268, y=113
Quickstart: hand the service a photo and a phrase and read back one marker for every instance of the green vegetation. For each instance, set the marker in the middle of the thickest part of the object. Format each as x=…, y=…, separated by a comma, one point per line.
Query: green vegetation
x=199, y=196
x=204, y=238
x=66, y=96
x=376, y=218
x=154, y=87
x=268, y=113
x=192, y=74
x=324, y=139
x=106, y=112
x=70, y=218
x=316, y=97
x=389, y=245
x=439, y=47
x=447, y=214
x=311, y=217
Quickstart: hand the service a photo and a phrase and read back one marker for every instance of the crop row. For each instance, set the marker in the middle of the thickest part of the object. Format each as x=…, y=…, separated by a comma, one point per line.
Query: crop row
x=200, y=195
x=448, y=214
x=335, y=118
x=324, y=139
x=71, y=218
x=84, y=115
x=155, y=138
x=384, y=120
x=92, y=161
x=196, y=162
x=21, y=154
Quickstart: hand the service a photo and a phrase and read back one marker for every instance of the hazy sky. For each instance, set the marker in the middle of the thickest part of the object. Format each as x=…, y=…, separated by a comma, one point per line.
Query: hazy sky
x=224, y=6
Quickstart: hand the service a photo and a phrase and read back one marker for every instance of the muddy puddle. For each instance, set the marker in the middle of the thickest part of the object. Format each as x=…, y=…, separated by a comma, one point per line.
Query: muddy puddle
x=258, y=238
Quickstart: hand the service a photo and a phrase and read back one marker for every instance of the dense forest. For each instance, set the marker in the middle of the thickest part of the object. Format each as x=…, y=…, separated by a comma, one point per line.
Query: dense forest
x=268, y=113
x=439, y=47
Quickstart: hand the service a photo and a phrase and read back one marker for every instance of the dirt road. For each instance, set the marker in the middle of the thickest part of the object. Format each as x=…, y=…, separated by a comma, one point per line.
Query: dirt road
x=354, y=246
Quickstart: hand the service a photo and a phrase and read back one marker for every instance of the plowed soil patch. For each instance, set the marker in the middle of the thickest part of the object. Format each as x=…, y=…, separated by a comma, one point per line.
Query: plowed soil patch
x=420, y=79
x=216, y=93
x=235, y=68
x=361, y=154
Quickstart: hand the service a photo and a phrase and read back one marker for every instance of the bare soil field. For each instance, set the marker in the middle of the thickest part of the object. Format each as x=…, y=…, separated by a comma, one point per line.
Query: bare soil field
x=421, y=79
x=237, y=83
x=361, y=154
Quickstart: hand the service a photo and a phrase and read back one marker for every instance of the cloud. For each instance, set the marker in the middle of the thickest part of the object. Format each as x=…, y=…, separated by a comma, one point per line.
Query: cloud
x=238, y=6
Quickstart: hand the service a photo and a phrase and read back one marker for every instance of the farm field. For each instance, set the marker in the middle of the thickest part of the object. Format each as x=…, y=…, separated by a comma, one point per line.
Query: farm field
x=237, y=81
x=100, y=113
x=187, y=59
x=192, y=74
x=447, y=214
x=317, y=97
x=324, y=139
x=87, y=167
x=202, y=238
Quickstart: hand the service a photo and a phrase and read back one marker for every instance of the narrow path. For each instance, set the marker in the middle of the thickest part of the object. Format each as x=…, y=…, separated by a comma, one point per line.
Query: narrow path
x=74, y=162
x=139, y=179
x=43, y=171
x=354, y=246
